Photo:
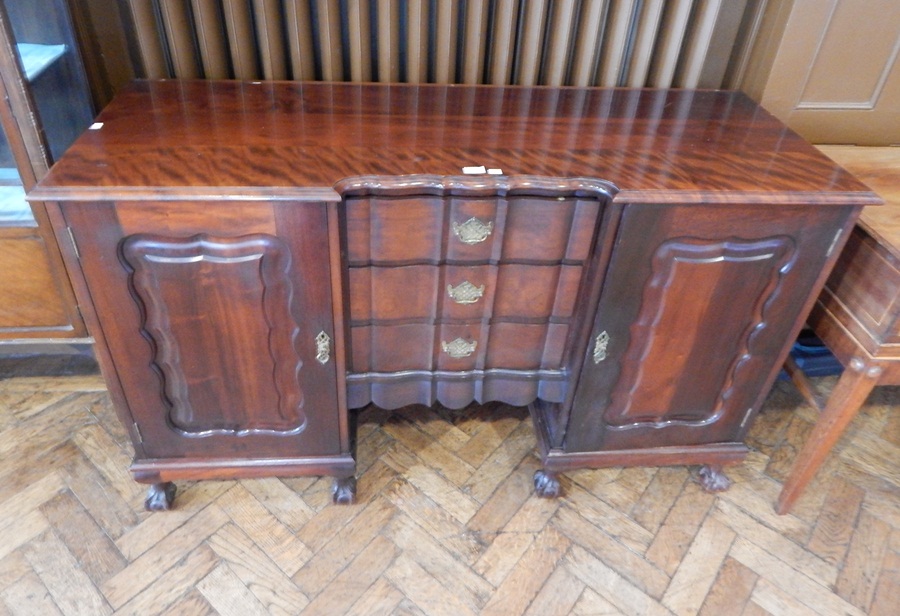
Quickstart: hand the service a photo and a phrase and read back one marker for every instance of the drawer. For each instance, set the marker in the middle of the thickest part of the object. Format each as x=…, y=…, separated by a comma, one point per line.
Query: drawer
x=463, y=292
x=410, y=229
x=393, y=348
x=421, y=292
x=536, y=291
x=864, y=290
x=431, y=229
x=548, y=230
x=516, y=346
x=457, y=347
x=417, y=346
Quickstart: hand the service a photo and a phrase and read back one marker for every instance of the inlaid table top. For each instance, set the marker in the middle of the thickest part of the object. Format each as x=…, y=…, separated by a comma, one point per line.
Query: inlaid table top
x=880, y=169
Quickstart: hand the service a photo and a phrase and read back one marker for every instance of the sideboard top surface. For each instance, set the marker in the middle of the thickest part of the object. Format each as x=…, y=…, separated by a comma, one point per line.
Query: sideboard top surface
x=178, y=139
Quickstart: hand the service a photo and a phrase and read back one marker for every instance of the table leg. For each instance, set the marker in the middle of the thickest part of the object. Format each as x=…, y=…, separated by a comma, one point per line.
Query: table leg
x=848, y=396
x=802, y=383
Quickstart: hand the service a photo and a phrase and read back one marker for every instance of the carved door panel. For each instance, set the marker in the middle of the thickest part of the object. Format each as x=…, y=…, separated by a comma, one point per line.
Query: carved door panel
x=693, y=320
x=220, y=325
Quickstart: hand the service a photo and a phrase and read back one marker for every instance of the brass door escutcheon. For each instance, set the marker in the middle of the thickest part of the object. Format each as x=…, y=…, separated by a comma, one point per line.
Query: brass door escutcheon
x=323, y=348
x=600, y=344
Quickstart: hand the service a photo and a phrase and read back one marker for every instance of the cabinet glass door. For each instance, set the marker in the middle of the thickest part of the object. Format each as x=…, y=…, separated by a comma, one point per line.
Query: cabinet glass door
x=46, y=106
x=50, y=69
x=51, y=66
x=14, y=210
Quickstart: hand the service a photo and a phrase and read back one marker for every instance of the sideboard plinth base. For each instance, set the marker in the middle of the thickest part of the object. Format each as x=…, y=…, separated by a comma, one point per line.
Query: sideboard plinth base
x=162, y=473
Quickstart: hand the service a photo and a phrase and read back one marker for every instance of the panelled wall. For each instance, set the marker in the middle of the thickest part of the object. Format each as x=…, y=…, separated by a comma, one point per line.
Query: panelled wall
x=636, y=43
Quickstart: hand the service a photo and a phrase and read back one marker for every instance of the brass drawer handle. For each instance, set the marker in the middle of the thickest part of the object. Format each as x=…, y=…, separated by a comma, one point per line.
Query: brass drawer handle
x=473, y=231
x=600, y=344
x=465, y=292
x=459, y=348
x=323, y=348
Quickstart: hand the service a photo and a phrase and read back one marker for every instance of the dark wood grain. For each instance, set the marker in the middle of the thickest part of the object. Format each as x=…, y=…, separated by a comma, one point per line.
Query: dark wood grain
x=635, y=274
x=241, y=285
x=213, y=338
x=698, y=308
x=234, y=139
x=410, y=254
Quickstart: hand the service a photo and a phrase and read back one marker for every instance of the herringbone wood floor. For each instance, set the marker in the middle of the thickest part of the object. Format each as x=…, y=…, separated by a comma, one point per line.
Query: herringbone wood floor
x=445, y=524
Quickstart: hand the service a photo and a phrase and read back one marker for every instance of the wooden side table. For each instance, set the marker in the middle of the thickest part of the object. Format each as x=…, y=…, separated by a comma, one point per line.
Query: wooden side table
x=857, y=314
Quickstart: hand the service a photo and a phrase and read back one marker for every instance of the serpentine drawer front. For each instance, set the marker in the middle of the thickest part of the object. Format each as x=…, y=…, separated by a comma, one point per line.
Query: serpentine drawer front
x=254, y=259
x=458, y=298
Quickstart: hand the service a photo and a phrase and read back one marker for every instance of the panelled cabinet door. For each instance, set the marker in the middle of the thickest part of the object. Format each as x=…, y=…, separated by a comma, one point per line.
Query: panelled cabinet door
x=696, y=310
x=220, y=324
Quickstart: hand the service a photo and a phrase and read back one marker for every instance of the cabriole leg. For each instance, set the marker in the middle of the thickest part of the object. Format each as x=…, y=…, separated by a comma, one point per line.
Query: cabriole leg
x=546, y=484
x=712, y=479
x=343, y=491
x=160, y=496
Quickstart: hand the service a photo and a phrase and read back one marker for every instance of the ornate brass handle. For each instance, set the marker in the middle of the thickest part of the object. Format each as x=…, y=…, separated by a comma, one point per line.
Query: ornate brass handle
x=465, y=292
x=600, y=344
x=473, y=231
x=459, y=348
x=323, y=348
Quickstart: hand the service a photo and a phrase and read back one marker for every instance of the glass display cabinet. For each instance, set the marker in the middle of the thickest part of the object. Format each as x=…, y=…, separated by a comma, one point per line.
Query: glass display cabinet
x=48, y=106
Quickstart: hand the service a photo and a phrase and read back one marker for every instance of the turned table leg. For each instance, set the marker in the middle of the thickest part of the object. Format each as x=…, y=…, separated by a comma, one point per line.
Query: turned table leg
x=851, y=391
x=160, y=496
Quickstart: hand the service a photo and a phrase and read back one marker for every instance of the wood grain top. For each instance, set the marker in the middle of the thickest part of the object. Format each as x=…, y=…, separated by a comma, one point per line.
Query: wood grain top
x=880, y=169
x=176, y=139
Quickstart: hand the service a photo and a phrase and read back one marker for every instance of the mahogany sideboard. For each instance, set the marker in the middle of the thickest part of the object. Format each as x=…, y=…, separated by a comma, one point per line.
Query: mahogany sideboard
x=255, y=259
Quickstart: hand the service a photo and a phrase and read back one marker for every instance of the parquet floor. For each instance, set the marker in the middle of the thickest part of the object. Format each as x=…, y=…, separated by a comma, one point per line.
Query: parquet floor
x=445, y=524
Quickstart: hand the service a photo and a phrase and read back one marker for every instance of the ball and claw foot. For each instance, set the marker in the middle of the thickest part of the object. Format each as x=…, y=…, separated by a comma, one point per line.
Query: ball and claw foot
x=160, y=496
x=712, y=479
x=343, y=490
x=546, y=485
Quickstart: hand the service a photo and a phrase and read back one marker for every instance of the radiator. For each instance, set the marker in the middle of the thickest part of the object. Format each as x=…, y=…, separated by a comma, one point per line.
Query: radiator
x=634, y=43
